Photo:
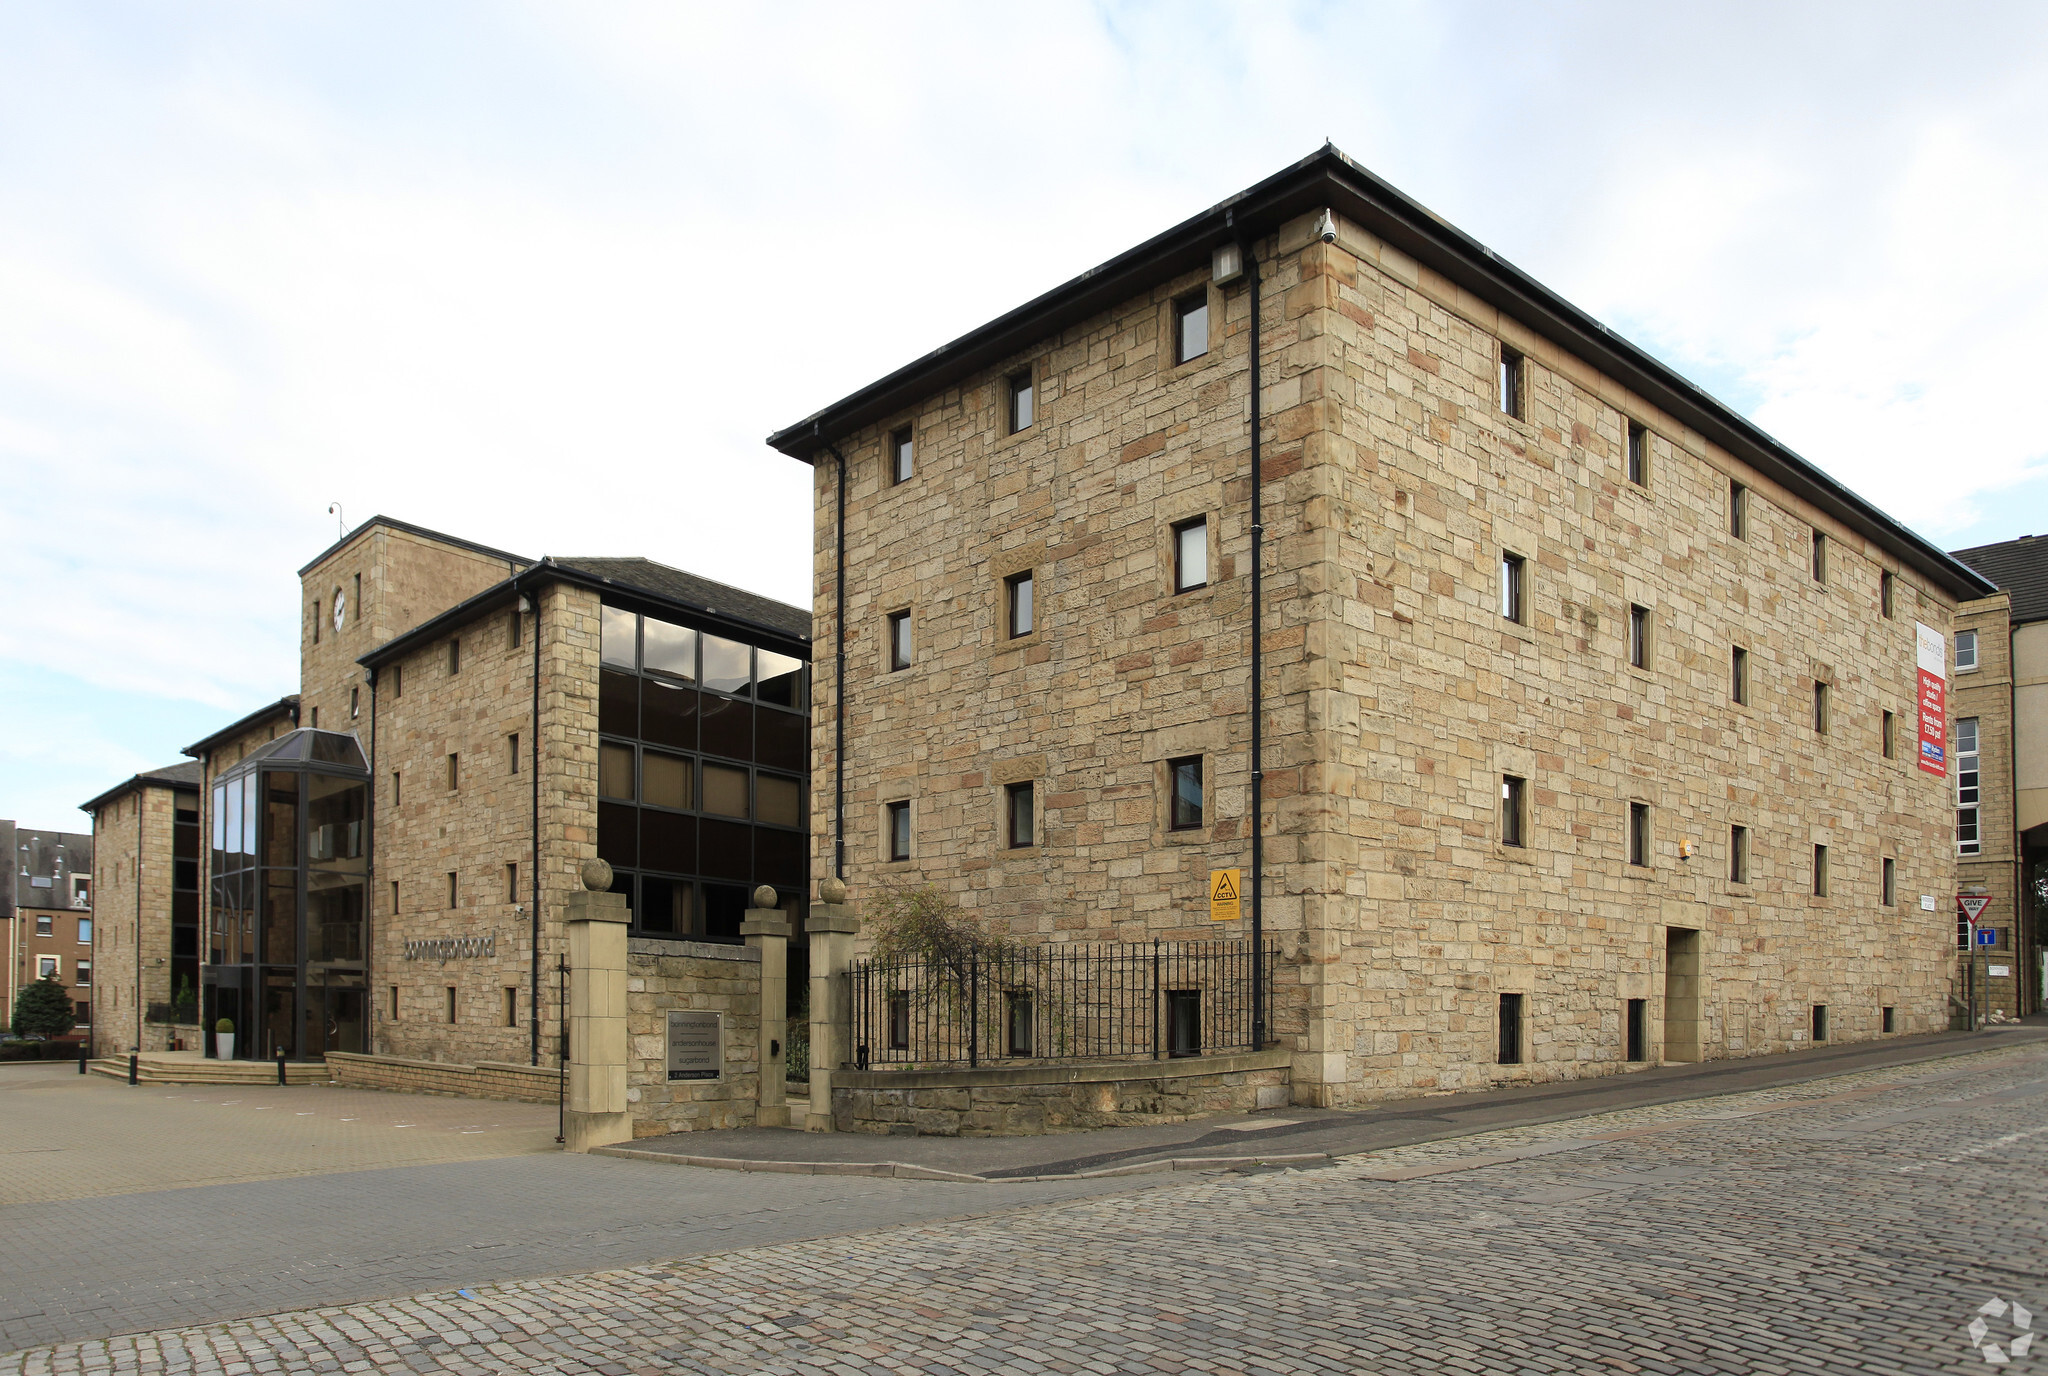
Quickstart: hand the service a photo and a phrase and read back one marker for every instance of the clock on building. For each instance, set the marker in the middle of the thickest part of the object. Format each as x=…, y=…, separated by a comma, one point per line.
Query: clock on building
x=340, y=607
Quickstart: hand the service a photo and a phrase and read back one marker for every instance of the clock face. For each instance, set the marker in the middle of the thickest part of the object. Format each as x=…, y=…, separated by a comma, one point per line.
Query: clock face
x=340, y=609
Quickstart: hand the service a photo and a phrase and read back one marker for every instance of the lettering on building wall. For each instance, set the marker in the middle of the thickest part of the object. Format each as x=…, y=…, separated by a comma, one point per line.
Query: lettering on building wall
x=696, y=1045
x=451, y=948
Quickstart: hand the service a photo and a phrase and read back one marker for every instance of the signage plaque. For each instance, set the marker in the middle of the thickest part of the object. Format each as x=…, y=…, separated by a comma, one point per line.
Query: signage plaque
x=1932, y=656
x=696, y=1046
x=1226, y=889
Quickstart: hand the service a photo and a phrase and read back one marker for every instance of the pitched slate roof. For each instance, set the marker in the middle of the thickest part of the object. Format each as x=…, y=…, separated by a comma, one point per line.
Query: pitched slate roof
x=704, y=593
x=186, y=774
x=2020, y=567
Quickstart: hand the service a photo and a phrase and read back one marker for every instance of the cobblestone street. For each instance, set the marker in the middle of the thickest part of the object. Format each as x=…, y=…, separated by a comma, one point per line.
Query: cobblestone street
x=1858, y=1223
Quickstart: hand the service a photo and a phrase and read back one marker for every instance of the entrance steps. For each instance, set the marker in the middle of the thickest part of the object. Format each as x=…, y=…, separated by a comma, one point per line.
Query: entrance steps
x=190, y=1068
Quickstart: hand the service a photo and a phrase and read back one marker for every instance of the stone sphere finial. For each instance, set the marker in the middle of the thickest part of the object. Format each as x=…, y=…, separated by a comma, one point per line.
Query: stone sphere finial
x=597, y=876
x=764, y=897
x=832, y=891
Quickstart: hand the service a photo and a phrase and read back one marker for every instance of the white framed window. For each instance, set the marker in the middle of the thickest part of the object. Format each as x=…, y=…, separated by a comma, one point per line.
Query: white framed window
x=84, y=976
x=1966, y=651
x=1969, y=841
x=85, y=931
x=46, y=967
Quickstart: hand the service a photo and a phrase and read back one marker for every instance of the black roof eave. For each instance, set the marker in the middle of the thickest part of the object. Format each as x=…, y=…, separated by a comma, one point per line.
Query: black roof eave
x=288, y=706
x=1329, y=178
x=134, y=782
x=547, y=570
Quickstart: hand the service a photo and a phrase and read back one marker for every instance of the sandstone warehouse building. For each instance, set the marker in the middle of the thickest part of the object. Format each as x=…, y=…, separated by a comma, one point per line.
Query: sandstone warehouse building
x=1554, y=717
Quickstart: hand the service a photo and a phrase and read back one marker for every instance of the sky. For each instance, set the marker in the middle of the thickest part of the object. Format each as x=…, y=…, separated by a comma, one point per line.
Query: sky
x=543, y=275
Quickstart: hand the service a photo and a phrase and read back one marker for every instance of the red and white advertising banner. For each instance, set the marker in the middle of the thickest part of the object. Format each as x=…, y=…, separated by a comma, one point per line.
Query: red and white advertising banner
x=1933, y=658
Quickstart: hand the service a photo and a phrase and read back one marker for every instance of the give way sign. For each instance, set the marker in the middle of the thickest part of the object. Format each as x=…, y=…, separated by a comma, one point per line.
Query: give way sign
x=1973, y=907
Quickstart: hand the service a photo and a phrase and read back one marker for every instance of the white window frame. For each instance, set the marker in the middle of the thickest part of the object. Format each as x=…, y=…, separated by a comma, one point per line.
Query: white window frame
x=1966, y=651
x=1969, y=790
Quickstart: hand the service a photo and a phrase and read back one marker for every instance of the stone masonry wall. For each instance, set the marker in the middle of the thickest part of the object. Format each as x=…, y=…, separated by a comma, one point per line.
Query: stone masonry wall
x=1986, y=693
x=665, y=975
x=131, y=937
x=426, y=829
x=1396, y=697
x=490, y=1080
x=1011, y=1103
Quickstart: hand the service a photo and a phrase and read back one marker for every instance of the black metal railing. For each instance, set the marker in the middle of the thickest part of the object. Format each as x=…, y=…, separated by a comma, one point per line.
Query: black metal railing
x=1059, y=1001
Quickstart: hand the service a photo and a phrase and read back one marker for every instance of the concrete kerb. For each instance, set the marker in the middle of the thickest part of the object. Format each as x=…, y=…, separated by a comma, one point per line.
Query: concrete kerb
x=904, y=1170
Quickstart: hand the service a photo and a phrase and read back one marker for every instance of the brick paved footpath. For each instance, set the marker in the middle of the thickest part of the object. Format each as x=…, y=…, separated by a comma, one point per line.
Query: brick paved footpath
x=1851, y=1224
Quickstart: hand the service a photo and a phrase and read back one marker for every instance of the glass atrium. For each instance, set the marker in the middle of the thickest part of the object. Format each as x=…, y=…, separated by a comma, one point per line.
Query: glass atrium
x=285, y=939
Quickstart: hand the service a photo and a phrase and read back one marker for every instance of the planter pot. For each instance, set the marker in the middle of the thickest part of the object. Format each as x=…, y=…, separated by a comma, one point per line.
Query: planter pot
x=224, y=1045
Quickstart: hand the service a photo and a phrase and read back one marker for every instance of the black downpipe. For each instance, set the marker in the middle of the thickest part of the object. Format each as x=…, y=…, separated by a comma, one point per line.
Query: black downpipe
x=141, y=796
x=369, y=882
x=839, y=673
x=1258, y=884
x=533, y=918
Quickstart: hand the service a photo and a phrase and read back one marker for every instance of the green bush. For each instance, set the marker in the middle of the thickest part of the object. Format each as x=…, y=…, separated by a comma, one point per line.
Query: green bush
x=43, y=1009
x=224, y=1025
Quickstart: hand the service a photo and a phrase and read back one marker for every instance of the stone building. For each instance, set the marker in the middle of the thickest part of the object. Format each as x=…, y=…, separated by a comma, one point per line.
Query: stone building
x=145, y=946
x=386, y=851
x=48, y=909
x=1584, y=708
x=2001, y=801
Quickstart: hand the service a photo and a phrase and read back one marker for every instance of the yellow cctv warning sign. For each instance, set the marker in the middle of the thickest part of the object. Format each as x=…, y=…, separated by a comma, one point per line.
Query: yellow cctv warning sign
x=1224, y=891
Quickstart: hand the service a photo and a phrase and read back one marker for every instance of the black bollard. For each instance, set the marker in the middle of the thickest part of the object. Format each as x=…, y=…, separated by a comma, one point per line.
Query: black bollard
x=84, y=1055
x=280, y=1065
x=134, y=1061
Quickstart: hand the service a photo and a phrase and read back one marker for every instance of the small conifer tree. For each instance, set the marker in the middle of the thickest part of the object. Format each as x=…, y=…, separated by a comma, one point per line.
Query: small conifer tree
x=43, y=1009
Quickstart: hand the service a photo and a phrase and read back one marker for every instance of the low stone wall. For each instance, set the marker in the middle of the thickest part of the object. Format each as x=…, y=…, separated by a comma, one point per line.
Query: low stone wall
x=1017, y=1101
x=522, y=1084
x=701, y=976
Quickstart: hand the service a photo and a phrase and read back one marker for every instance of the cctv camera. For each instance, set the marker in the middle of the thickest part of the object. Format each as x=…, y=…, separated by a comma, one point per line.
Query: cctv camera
x=1326, y=229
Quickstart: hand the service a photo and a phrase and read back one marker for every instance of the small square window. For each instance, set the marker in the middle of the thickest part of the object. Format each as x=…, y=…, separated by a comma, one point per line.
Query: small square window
x=1513, y=801
x=1510, y=1029
x=1187, y=803
x=902, y=462
x=1639, y=637
x=46, y=967
x=1820, y=871
x=1191, y=326
x=899, y=830
x=1888, y=890
x=1888, y=730
x=83, y=973
x=43, y=927
x=1018, y=818
x=1023, y=401
x=1820, y=558
x=1966, y=651
x=1887, y=596
x=1820, y=709
x=1738, y=855
x=1738, y=675
x=899, y=640
x=1511, y=379
x=1638, y=454
x=1738, y=510
x=1512, y=567
x=1018, y=605
x=1191, y=555
x=1639, y=833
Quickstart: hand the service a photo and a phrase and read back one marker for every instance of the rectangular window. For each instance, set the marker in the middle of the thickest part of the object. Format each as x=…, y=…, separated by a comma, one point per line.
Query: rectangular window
x=355, y=703
x=517, y=629
x=1511, y=569
x=1820, y=709
x=1513, y=801
x=899, y=1020
x=1017, y=811
x=358, y=603
x=1017, y=1021
x=899, y=830
x=1820, y=871
x=397, y=788
x=902, y=461
x=1738, y=675
x=1639, y=833
x=1820, y=1022
x=46, y=967
x=1887, y=1020
x=1191, y=326
x=1738, y=510
x=398, y=680
x=1888, y=889
x=1968, y=840
x=1191, y=555
x=665, y=780
x=1510, y=1029
x=1966, y=651
x=394, y=1003
x=1886, y=596
x=899, y=640
x=455, y=656
x=725, y=790
x=451, y=1003
x=316, y=719
x=1023, y=409
x=316, y=621
x=1738, y=855
x=615, y=771
x=1018, y=605
x=85, y=931
x=394, y=897
x=1638, y=454
x=84, y=969
x=452, y=890
x=512, y=752
x=454, y=770
x=1888, y=732
x=1639, y=637
x=1510, y=382
x=512, y=881
x=512, y=1005
x=43, y=927
x=1820, y=557
x=1187, y=803
x=1639, y=1029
